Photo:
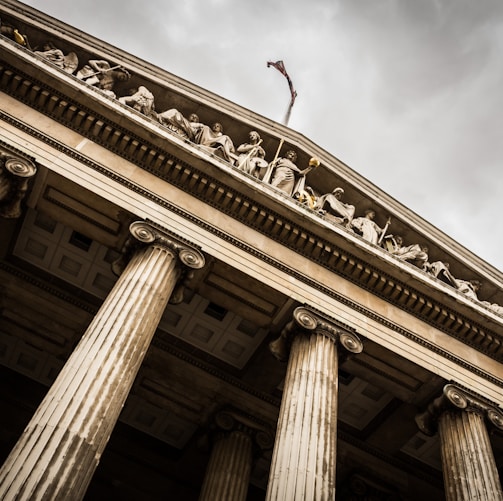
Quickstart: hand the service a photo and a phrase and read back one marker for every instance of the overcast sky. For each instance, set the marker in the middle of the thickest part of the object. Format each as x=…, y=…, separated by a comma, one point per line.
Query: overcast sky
x=409, y=93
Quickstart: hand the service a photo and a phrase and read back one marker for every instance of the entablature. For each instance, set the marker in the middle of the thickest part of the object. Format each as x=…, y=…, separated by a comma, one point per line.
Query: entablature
x=144, y=142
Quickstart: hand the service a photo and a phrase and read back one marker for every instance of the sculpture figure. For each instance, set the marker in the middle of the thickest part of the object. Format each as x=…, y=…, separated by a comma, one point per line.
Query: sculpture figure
x=307, y=197
x=68, y=62
x=441, y=270
x=177, y=123
x=11, y=32
x=100, y=74
x=416, y=254
x=468, y=287
x=140, y=99
x=493, y=307
x=285, y=170
x=214, y=139
x=338, y=212
x=252, y=156
x=368, y=228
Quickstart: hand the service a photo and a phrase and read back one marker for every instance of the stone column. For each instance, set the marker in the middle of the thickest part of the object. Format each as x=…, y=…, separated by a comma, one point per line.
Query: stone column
x=468, y=465
x=15, y=174
x=303, y=465
x=229, y=468
x=60, y=448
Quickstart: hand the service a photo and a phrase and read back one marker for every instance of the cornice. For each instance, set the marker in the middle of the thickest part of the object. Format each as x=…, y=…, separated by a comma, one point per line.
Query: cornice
x=292, y=235
x=278, y=219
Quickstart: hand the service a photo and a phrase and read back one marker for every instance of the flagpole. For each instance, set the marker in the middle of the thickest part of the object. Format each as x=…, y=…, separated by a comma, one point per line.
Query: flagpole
x=314, y=162
x=280, y=66
x=288, y=113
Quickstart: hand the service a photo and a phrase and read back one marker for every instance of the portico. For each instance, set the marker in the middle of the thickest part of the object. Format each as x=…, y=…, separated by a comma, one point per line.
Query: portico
x=149, y=288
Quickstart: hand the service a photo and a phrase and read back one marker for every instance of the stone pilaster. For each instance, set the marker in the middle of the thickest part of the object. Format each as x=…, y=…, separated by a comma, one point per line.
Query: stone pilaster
x=304, y=458
x=60, y=448
x=229, y=468
x=468, y=464
x=15, y=174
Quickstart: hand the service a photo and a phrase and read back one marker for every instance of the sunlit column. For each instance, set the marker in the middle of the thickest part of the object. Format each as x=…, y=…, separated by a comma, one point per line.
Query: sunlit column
x=60, y=448
x=304, y=458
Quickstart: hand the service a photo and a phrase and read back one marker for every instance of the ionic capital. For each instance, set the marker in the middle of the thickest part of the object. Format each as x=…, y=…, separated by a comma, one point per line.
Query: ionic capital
x=143, y=233
x=147, y=234
x=15, y=173
x=455, y=398
x=231, y=420
x=305, y=321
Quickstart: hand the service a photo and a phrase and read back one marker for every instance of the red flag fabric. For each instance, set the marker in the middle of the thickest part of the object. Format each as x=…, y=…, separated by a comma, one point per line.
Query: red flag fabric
x=280, y=66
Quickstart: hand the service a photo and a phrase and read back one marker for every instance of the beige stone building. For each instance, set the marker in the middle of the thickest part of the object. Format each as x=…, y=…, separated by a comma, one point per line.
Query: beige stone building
x=181, y=318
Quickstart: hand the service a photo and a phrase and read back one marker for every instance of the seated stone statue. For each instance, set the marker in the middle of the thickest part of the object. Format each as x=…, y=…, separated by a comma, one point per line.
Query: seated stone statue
x=214, y=139
x=100, y=74
x=68, y=62
x=415, y=254
x=468, y=287
x=251, y=158
x=334, y=210
x=174, y=120
x=498, y=309
x=140, y=99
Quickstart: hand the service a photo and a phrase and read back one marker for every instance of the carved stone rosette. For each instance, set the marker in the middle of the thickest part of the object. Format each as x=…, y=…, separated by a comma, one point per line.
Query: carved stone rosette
x=15, y=174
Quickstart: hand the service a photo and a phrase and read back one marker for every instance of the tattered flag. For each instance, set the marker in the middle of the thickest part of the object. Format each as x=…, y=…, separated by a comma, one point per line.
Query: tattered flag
x=280, y=66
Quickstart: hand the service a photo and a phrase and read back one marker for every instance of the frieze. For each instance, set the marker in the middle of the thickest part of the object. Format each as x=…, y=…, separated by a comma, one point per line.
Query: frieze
x=323, y=252
x=289, y=233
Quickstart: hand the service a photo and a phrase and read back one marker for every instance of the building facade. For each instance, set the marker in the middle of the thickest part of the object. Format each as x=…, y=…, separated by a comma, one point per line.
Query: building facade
x=221, y=312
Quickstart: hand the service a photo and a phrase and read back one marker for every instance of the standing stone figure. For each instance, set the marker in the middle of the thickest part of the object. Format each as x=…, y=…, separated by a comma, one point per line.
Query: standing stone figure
x=285, y=170
x=367, y=227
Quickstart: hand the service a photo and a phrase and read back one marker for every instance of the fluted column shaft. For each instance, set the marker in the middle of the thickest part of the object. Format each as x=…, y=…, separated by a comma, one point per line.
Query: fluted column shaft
x=469, y=468
x=459, y=415
x=304, y=458
x=61, y=446
x=228, y=472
